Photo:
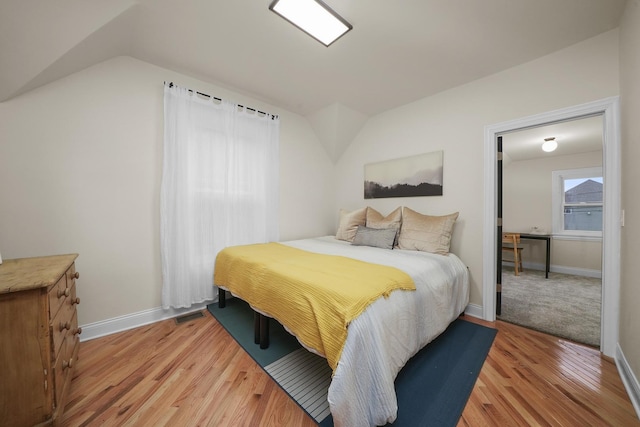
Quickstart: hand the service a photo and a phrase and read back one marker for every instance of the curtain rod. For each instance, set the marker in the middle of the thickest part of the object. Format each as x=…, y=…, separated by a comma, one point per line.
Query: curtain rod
x=273, y=116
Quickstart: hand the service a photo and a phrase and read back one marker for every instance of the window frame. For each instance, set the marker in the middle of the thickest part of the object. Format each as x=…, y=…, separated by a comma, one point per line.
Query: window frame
x=558, y=202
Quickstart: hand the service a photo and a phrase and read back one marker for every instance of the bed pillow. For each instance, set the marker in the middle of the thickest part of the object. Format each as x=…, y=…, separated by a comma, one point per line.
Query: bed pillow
x=376, y=237
x=376, y=220
x=349, y=222
x=426, y=233
x=393, y=220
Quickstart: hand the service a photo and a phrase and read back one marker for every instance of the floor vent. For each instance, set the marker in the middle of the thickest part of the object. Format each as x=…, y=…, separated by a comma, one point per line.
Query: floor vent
x=188, y=317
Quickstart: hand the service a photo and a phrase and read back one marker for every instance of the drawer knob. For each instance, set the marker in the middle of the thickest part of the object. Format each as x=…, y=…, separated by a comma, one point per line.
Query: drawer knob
x=68, y=364
x=65, y=325
x=75, y=275
x=78, y=331
x=64, y=293
x=75, y=301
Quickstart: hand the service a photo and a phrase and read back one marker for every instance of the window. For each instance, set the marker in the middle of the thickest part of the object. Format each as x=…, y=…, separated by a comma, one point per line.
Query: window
x=577, y=196
x=219, y=188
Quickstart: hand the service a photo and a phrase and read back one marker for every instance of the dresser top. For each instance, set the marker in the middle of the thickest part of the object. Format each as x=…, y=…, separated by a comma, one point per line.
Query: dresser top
x=31, y=273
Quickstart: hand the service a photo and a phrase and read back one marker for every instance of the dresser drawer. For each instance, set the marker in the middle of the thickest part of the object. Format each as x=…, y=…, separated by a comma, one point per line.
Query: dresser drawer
x=74, y=301
x=57, y=294
x=62, y=325
x=63, y=370
x=72, y=275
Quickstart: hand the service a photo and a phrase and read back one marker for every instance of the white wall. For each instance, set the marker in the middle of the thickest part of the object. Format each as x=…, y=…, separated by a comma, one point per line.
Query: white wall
x=630, y=108
x=454, y=121
x=80, y=169
x=527, y=203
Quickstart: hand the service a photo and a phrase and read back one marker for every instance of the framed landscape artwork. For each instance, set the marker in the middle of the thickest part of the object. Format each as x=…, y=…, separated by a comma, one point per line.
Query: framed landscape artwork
x=419, y=175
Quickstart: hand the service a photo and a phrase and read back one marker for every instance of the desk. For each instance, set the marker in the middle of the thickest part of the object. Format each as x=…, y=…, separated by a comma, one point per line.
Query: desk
x=547, y=238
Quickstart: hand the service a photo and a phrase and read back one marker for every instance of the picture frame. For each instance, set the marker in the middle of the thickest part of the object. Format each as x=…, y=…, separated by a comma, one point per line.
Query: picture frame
x=414, y=176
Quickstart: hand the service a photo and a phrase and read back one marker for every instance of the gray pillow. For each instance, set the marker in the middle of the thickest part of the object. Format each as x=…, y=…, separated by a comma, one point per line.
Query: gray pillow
x=378, y=238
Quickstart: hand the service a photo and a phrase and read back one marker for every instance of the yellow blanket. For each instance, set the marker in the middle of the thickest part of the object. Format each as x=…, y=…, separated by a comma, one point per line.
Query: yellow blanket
x=315, y=296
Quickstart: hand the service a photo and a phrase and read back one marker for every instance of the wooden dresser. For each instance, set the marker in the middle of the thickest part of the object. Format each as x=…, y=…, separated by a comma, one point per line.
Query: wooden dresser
x=38, y=338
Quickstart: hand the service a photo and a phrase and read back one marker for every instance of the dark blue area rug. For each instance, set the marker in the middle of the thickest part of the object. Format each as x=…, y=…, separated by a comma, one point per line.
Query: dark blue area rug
x=432, y=388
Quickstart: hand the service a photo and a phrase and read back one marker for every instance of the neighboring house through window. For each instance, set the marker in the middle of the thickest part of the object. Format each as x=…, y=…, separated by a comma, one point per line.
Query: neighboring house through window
x=577, y=197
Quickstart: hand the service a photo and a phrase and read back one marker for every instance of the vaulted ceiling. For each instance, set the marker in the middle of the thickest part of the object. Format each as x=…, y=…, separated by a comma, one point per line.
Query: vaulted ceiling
x=397, y=52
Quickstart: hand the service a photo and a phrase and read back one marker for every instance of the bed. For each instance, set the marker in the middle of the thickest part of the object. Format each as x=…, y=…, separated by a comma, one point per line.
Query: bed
x=390, y=329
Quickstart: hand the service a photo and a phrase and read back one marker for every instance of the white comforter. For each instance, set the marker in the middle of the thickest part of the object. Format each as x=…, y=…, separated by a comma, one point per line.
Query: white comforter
x=391, y=330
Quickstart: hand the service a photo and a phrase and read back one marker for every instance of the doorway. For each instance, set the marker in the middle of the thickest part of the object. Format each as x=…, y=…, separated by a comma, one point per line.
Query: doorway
x=553, y=200
x=609, y=109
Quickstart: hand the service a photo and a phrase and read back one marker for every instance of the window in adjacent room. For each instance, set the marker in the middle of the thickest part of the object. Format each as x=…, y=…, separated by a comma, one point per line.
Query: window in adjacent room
x=577, y=202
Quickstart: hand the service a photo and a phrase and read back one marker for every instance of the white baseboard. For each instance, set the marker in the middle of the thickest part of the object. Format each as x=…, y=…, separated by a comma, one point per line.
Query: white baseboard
x=628, y=378
x=574, y=271
x=123, y=323
x=134, y=320
x=474, y=310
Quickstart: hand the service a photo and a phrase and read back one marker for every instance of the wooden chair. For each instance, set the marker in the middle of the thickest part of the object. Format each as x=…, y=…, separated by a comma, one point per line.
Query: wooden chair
x=511, y=243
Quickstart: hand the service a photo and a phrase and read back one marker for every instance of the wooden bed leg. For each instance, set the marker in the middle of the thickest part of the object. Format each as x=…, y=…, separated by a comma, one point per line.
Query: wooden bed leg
x=264, y=331
x=222, y=298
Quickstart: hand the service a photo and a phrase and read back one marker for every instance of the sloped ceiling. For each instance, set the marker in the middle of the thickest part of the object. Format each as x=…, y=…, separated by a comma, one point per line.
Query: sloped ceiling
x=35, y=35
x=398, y=52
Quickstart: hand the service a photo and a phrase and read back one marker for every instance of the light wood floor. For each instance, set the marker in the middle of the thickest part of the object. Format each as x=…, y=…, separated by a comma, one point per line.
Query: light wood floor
x=195, y=374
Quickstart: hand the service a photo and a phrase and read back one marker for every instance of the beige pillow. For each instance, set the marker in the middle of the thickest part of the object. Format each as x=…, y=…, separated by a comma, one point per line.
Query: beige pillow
x=349, y=222
x=426, y=233
x=376, y=220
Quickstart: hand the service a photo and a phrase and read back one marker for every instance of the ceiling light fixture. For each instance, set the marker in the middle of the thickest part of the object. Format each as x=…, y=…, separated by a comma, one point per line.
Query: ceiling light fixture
x=549, y=145
x=313, y=17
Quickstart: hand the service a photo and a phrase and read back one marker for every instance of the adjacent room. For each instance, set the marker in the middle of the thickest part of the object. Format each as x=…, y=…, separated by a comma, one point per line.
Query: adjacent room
x=552, y=198
x=213, y=215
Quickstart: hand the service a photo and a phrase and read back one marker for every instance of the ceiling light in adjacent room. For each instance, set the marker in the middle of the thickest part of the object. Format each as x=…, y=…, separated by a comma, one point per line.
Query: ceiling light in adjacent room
x=313, y=17
x=549, y=145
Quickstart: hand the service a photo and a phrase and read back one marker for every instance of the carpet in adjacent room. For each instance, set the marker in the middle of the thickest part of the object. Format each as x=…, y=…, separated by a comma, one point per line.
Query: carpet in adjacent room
x=563, y=305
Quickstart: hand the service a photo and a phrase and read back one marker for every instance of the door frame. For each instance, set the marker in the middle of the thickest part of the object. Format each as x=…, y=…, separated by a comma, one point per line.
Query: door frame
x=609, y=108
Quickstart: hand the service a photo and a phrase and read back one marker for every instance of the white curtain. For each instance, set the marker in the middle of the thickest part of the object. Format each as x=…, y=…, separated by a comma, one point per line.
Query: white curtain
x=219, y=188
